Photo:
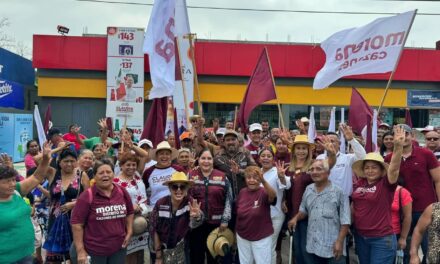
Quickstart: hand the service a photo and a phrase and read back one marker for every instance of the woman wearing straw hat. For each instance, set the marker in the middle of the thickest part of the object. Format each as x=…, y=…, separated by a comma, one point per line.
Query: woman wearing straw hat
x=301, y=160
x=254, y=226
x=372, y=197
x=212, y=188
x=171, y=220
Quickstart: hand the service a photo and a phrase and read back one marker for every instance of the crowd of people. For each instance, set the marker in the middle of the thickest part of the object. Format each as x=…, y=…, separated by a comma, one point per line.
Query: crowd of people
x=224, y=197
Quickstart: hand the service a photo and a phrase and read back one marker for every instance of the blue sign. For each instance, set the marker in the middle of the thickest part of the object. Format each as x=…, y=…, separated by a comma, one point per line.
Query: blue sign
x=417, y=98
x=11, y=94
x=22, y=134
x=16, y=68
x=7, y=133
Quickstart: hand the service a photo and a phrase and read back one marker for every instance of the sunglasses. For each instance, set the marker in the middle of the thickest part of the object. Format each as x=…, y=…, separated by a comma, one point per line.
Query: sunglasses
x=431, y=139
x=176, y=187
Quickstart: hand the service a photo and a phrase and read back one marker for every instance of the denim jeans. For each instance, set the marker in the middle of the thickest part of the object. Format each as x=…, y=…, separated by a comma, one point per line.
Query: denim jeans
x=424, y=244
x=299, y=243
x=320, y=260
x=376, y=250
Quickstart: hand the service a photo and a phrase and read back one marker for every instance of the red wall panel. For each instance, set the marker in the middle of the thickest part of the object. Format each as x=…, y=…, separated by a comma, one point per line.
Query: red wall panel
x=227, y=58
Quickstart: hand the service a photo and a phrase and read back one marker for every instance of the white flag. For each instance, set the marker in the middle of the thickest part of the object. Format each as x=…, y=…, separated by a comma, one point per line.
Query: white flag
x=373, y=48
x=374, y=132
x=159, y=44
x=311, y=133
x=39, y=125
x=341, y=135
x=332, y=123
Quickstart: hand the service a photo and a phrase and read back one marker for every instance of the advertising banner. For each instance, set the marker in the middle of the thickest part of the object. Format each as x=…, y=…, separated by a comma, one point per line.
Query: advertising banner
x=430, y=99
x=11, y=94
x=125, y=78
x=7, y=133
x=22, y=134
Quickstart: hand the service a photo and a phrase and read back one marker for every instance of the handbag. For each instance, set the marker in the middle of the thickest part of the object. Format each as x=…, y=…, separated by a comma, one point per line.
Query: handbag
x=174, y=255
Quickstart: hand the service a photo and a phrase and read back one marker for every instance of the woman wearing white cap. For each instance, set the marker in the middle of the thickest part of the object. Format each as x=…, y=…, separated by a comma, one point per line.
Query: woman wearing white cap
x=171, y=220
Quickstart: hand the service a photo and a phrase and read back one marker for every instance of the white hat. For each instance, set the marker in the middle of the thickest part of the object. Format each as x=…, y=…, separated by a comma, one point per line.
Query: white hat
x=221, y=131
x=255, y=126
x=428, y=128
x=145, y=141
x=304, y=120
x=161, y=146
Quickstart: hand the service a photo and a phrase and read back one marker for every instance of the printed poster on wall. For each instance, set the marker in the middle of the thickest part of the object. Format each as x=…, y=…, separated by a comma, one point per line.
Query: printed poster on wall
x=7, y=133
x=22, y=134
x=125, y=78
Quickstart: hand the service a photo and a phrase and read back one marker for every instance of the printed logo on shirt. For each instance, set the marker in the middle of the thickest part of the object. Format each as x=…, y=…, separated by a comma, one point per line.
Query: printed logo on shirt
x=338, y=166
x=256, y=205
x=363, y=190
x=111, y=212
x=160, y=179
x=182, y=211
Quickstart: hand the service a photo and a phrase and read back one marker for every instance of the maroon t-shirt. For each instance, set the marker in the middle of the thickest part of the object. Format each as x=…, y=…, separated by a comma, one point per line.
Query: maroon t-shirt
x=295, y=193
x=414, y=171
x=254, y=151
x=372, y=207
x=104, y=219
x=253, y=214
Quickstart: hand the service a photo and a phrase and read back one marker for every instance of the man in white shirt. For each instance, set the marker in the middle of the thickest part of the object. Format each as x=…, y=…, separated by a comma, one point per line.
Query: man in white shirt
x=130, y=95
x=341, y=174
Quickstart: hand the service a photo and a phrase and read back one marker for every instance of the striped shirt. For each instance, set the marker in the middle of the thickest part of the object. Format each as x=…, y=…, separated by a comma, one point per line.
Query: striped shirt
x=326, y=211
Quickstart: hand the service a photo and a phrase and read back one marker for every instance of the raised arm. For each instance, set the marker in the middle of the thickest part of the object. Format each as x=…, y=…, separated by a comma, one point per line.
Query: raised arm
x=417, y=235
x=40, y=173
x=271, y=193
x=358, y=149
x=399, y=139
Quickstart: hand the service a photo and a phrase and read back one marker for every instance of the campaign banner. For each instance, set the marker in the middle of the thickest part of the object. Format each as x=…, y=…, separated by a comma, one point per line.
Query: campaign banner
x=22, y=134
x=7, y=133
x=429, y=99
x=125, y=78
x=11, y=94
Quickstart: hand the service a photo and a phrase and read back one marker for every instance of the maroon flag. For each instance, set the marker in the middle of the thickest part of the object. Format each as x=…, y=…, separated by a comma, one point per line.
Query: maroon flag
x=154, y=127
x=178, y=70
x=408, y=119
x=358, y=114
x=176, y=130
x=47, y=118
x=369, y=140
x=260, y=89
x=109, y=123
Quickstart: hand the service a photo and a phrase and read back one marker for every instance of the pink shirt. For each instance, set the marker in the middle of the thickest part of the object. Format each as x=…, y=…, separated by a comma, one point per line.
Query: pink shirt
x=29, y=162
x=395, y=214
x=104, y=219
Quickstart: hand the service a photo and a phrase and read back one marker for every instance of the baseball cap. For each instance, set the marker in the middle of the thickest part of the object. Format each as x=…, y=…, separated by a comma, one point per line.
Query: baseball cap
x=255, y=126
x=145, y=141
x=304, y=119
x=231, y=132
x=185, y=135
x=221, y=131
x=406, y=127
x=428, y=128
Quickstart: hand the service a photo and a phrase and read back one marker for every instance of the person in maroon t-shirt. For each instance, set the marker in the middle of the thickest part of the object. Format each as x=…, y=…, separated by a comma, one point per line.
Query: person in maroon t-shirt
x=282, y=153
x=102, y=220
x=372, y=197
x=255, y=134
x=420, y=175
x=254, y=226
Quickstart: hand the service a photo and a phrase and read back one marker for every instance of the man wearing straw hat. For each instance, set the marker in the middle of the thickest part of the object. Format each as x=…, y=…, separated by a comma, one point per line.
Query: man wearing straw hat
x=328, y=211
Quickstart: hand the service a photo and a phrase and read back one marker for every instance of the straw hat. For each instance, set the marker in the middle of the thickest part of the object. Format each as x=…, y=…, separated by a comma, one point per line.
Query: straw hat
x=140, y=225
x=178, y=177
x=302, y=139
x=220, y=243
x=161, y=146
x=358, y=166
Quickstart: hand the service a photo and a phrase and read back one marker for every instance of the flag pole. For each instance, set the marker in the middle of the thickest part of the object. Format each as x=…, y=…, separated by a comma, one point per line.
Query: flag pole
x=190, y=37
x=397, y=63
x=235, y=117
x=185, y=99
x=275, y=89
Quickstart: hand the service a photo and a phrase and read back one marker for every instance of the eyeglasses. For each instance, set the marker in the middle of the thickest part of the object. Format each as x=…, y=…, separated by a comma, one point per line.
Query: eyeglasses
x=176, y=187
x=431, y=139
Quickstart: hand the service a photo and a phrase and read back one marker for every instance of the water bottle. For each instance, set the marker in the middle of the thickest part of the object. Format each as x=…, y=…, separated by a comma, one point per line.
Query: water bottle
x=399, y=256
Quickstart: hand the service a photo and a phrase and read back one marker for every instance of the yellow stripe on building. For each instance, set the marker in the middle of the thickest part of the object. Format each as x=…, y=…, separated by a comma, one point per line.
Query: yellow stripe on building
x=229, y=93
